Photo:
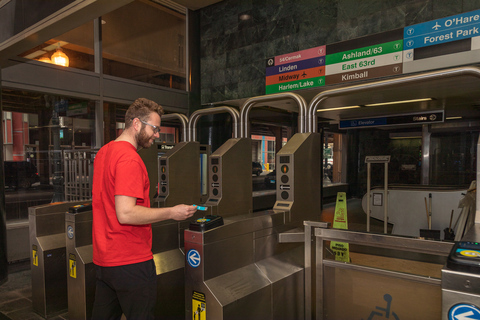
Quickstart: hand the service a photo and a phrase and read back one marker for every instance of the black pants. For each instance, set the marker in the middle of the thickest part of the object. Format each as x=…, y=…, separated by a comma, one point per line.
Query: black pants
x=129, y=289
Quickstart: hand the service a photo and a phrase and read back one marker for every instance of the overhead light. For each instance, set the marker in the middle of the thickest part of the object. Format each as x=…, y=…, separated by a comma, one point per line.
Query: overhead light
x=60, y=58
x=453, y=118
x=244, y=17
x=397, y=102
x=339, y=108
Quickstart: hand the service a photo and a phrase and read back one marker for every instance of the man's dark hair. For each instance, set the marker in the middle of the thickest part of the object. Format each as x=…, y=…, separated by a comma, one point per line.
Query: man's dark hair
x=141, y=109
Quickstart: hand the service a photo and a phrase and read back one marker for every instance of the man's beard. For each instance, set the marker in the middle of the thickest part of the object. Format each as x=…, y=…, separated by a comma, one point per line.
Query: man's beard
x=143, y=140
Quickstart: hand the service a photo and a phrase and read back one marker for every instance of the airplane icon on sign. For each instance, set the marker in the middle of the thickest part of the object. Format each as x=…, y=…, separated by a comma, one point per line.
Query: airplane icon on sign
x=436, y=26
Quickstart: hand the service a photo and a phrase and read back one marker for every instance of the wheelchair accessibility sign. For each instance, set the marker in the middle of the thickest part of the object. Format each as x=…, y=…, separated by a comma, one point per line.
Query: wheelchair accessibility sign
x=193, y=258
x=464, y=312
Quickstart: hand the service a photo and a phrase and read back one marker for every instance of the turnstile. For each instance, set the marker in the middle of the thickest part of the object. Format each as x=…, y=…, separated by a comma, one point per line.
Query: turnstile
x=240, y=271
x=47, y=242
x=79, y=261
x=230, y=169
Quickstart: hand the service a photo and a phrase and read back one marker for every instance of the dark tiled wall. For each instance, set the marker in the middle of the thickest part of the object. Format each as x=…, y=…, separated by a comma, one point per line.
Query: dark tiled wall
x=233, y=51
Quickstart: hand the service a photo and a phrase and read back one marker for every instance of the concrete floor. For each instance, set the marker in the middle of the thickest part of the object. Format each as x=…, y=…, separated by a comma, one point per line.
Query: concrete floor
x=16, y=292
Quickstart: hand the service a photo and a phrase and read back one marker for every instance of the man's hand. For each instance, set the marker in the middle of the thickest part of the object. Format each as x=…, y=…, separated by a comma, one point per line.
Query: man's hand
x=182, y=212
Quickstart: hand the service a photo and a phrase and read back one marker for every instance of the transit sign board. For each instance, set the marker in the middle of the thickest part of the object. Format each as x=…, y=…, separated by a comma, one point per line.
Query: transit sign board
x=296, y=75
x=300, y=55
x=453, y=28
x=408, y=119
x=296, y=66
x=296, y=85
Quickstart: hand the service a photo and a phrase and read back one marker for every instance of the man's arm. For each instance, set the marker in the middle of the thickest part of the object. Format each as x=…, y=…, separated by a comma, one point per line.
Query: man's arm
x=130, y=213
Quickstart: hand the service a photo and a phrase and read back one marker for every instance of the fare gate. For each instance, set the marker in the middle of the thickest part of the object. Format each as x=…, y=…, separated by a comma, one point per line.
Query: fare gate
x=48, y=252
x=79, y=261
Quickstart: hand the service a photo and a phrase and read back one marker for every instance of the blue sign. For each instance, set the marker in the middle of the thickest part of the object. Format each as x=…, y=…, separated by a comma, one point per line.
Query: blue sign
x=415, y=118
x=299, y=65
x=464, y=312
x=70, y=232
x=344, y=124
x=461, y=26
x=193, y=258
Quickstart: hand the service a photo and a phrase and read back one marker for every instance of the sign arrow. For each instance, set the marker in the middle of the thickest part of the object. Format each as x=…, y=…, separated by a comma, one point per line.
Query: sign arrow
x=465, y=316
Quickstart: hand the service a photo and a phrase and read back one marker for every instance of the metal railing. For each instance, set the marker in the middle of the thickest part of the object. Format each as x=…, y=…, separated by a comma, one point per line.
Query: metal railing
x=317, y=259
x=78, y=174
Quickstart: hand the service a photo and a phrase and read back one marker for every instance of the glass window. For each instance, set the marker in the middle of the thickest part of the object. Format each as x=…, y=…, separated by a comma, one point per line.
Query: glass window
x=75, y=46
x=144, y=41
x=453, y=158
x=38, y=128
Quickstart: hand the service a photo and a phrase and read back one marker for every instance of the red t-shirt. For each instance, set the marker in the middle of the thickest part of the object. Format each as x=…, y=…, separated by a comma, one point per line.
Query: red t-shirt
x=119, y=170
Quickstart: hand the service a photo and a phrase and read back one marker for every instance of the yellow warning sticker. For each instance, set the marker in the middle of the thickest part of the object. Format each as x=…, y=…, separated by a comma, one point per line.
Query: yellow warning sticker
x=72, y=266
x=199, y=306
x=34, y=255
x=340, y=221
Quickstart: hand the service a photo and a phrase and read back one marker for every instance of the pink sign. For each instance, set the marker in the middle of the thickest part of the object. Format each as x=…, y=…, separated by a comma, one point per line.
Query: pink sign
x=300, y=55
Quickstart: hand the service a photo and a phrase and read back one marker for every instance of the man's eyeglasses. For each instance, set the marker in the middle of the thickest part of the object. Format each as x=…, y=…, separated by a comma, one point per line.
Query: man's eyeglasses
x=155, y=128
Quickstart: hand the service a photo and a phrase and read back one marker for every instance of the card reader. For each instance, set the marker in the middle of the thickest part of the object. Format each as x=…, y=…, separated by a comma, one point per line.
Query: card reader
x=206, y=223
x=465, y=256
x=80, y=208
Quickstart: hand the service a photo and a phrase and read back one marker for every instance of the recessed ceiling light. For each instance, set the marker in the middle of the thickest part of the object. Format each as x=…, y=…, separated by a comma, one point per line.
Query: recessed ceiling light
x=339, y=108
x=398, y=102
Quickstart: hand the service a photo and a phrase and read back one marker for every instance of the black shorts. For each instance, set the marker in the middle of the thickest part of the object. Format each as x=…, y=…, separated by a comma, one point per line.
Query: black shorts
x=129, y=289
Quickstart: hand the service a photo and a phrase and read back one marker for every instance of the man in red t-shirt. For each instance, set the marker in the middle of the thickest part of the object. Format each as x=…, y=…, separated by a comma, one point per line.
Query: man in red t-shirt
x=122, y=218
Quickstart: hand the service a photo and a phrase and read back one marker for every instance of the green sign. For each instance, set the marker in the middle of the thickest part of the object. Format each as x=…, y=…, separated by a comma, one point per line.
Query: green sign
x=365, y=52
x=296, y=85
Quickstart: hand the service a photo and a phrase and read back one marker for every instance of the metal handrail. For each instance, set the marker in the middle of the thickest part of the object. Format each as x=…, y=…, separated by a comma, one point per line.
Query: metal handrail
x=366, y=239
x=250, y=103
x=321, y=97
x=198, y=113
x=183, y=121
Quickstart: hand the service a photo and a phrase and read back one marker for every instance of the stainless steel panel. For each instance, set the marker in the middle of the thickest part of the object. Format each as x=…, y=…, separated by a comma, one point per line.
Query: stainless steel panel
x=51, y=242
x=179, y=178
x=232, y=227
x=85, y=253
x=268, y=246
x=165, y=236
x=450, y=298
x=230, y=189
x=461, y=281
x=401, y=281
x=47, y=241
x=234, y=285
x=227, y=255
x=48, y=224
x=299, y=185
x=393, y=242
x=288, y=300
x=169, y=260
